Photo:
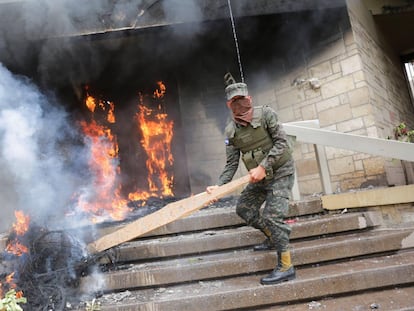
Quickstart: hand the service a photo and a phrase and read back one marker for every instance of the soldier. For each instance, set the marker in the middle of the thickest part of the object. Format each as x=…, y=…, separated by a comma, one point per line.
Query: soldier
x=255, y=134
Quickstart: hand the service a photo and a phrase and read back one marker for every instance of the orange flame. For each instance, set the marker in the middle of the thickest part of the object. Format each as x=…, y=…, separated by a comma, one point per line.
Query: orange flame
x=90, y=103
x=9, y=281
x=14, y=247
x=111, y=114
x=19, y=294
x=157, y=134
x=160, y=92
x=103, y=165
x=105, y=106
x=20, y=227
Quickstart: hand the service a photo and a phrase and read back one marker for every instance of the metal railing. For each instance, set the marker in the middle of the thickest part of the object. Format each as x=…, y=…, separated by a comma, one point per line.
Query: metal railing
x=309, y=132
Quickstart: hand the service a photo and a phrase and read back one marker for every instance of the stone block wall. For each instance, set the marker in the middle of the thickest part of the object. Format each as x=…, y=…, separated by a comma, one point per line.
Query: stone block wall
x=388, y=89
x=384, y=77
x=342, y=104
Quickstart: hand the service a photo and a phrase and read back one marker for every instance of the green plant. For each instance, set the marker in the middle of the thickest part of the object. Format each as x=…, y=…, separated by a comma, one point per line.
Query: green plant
x=403, y=133
x=93, y=306
x=11, y=301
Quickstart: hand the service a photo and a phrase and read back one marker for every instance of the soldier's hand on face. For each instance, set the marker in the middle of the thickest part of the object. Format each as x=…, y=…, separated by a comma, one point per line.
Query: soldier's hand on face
x=257, y=174
x=210, y=189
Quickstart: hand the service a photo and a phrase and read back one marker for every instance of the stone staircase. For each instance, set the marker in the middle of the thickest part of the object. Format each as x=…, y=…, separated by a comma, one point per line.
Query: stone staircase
x=344, y=261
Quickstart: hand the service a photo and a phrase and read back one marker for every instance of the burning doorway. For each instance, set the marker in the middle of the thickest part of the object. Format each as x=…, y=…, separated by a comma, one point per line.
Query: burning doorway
x=134, y=146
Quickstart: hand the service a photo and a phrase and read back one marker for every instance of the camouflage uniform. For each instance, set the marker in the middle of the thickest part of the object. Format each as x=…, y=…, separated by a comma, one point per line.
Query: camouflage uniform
x=275, y=189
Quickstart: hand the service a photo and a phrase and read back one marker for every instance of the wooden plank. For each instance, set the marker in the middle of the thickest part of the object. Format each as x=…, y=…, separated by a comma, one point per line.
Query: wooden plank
x=167, y=214
x=374, y=197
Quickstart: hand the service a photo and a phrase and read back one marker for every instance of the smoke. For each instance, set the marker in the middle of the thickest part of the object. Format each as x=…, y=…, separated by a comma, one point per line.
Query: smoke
x=59, y=40
x=39, y=156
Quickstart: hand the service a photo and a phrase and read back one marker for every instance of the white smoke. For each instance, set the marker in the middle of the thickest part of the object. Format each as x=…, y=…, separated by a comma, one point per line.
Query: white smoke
x=38, y=157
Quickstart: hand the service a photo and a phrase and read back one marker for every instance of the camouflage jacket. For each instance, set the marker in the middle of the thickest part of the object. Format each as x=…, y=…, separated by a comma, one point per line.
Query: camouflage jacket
x=280, y=144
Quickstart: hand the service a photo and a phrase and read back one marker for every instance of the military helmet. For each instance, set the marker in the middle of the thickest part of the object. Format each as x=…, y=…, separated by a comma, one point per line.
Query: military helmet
x=234, y=88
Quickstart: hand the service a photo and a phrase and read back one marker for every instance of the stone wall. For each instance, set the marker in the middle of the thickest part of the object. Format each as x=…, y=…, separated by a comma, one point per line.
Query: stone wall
x=388, y=90
x=340, y=105
x=384, y=77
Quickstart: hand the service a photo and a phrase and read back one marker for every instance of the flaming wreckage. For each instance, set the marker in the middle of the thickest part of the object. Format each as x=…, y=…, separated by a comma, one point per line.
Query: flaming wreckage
x=46, y=265
x=49, y=264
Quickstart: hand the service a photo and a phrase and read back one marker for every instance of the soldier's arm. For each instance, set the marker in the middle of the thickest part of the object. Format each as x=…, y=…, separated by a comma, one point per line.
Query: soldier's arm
x=278, y=135
x=232, y=163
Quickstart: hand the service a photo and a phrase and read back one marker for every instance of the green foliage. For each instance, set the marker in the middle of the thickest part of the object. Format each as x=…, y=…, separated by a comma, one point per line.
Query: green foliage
x=11, y=301
x=403, y=133
x=93, y=306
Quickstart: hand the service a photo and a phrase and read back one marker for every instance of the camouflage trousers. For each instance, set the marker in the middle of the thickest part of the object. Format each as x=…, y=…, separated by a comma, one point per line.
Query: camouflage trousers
x=275, y=193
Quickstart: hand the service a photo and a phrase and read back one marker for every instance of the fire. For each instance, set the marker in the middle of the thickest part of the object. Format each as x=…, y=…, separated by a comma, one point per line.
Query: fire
x=111, y=114
x=9, y=282
x=19, y=294
x=157, y=134
x=107, y=107
x=15, y=246
x=160, y=92
x=22, y=223
x=90, y=103
x=103, y=164
x=20, y=227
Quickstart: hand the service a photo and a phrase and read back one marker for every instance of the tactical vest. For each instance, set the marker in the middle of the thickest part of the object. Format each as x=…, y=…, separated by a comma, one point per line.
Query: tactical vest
x=253, y=140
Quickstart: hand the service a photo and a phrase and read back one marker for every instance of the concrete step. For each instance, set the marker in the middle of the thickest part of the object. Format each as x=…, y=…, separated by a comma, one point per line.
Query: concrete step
x=246, y=292
x=388, y=299
x=204, y=219
x=239, y=237
x=223, y=264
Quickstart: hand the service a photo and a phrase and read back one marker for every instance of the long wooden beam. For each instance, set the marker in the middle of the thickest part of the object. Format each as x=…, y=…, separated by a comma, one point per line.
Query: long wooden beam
x=167, y=214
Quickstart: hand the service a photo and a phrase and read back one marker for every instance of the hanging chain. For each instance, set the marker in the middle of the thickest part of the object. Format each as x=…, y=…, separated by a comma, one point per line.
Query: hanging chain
x=236, y=42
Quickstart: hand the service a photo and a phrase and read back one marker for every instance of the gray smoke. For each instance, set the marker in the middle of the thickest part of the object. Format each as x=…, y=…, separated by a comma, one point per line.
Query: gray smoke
x=48, y=35
x=40, y=156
